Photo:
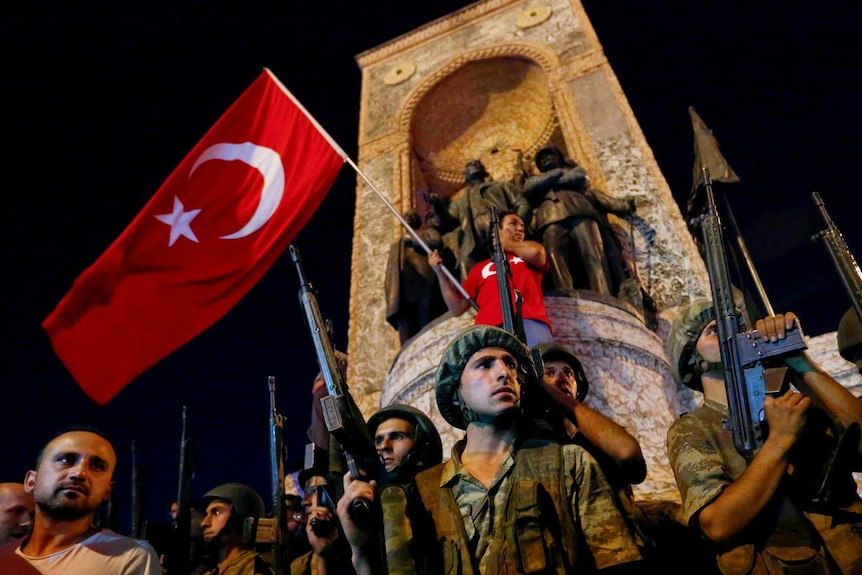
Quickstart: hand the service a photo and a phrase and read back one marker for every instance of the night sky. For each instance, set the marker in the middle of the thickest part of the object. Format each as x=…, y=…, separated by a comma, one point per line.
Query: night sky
x=102, y=101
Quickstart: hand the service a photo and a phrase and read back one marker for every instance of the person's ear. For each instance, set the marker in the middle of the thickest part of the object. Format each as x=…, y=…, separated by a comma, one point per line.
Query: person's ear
x=109, y=491
x=30, y=481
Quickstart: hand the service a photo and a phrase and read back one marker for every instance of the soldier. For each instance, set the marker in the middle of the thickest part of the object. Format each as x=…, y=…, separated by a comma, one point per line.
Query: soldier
x=765, y=515
x=500, y=505
x=226, y=551
x=571, y=219
x=16, y=511
x=72, y=479
x=615, y=449
x=468, y=214
x=406, y=440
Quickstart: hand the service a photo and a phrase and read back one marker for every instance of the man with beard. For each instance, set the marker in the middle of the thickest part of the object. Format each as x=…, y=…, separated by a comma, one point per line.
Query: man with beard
x=16, y=511
x=73, y=477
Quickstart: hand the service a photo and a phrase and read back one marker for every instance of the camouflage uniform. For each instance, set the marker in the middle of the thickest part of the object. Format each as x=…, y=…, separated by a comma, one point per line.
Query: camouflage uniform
x=495, y=543
x=705, y=462
x=246, y=563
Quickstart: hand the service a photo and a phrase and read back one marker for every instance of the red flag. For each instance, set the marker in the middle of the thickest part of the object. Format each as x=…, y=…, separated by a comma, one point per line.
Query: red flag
x=206, y=237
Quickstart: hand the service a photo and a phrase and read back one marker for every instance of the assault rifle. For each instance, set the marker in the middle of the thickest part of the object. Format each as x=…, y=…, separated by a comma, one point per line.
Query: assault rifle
x=340, y=413
x=742, y=352
x=278, y=535
x=178, y=560
x=841, y=256
x=138, y=499
x=501, y=265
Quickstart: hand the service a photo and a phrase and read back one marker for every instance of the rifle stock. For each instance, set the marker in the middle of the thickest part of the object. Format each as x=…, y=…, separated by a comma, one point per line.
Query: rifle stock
x=341, y=415
x=742, y=353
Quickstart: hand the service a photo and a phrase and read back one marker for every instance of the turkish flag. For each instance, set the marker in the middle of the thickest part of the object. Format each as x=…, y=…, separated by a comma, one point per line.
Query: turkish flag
x=206, y=237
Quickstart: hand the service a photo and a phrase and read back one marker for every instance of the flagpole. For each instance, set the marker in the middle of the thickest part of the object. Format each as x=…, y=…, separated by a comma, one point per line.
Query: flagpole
x=380, y=195
x=749, y=263
x=412, y=232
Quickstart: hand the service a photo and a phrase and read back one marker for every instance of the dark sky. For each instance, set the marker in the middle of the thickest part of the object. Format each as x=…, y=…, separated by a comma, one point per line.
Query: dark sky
x=103, y=100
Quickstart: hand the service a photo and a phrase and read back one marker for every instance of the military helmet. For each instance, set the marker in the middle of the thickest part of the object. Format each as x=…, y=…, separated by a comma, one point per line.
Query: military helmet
x=682, y=341
x=556, y=352
x=850, y=336
x=244, y=500
x=455, y=357
x=427, y=446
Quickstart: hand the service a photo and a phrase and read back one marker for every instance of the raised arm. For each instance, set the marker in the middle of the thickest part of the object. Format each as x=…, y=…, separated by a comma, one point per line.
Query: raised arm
x=456, y=304
x=531, y=252
x=744, y=499
x=605, y=434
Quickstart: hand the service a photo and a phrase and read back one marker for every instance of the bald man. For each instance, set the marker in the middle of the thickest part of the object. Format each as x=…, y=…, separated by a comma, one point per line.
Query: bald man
x=16, y=511
x=73, y=477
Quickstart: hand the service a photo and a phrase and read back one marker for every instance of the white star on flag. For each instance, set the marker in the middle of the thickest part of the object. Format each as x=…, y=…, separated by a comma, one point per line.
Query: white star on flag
x=179, y=221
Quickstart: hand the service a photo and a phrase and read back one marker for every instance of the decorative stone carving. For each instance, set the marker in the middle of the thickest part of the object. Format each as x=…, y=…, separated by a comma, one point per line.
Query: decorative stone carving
x=534, y=16
x=399, y=74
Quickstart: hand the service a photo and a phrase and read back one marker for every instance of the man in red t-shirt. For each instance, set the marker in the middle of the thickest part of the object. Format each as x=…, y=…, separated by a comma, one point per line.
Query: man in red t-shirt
x=527, y=262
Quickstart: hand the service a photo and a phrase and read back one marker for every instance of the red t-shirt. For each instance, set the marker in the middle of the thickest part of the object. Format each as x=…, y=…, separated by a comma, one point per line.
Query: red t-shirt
x=481, y=285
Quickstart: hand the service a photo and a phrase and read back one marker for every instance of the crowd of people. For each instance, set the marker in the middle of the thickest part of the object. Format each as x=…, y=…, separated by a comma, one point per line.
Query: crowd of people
x=539, y=483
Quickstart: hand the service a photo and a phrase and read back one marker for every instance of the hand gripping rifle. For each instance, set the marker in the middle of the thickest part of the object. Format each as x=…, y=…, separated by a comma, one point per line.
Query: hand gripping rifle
x=340, y=413
x=841, y=256
x=742, y=353
x=512, y=320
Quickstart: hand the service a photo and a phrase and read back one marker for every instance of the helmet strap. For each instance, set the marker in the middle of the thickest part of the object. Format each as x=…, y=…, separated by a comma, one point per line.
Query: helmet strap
x=469, y=415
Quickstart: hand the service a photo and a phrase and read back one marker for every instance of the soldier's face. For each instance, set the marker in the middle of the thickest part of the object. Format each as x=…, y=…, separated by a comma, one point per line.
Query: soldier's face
x=215, y=518
x=489, y=382
x=561, y=375
x=394, y=440
x=707, y=343
x=74, y=475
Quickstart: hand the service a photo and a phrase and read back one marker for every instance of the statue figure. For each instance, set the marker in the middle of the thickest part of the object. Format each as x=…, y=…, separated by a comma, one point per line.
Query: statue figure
x=570, y=218
x=467, y=215
x=413, y=297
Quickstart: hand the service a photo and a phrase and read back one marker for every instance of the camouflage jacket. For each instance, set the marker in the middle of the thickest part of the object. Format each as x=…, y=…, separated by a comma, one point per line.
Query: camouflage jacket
x=792, y=531
x=549, y=509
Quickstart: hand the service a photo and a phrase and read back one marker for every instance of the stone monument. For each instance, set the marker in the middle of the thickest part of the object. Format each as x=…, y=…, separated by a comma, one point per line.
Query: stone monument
x=497, y=80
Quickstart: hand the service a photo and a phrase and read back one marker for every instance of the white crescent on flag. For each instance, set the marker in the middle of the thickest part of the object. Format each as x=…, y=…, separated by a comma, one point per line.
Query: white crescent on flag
x=268, y=163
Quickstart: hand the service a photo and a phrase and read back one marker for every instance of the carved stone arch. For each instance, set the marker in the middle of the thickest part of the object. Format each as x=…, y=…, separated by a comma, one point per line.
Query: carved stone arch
x=491, y=104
